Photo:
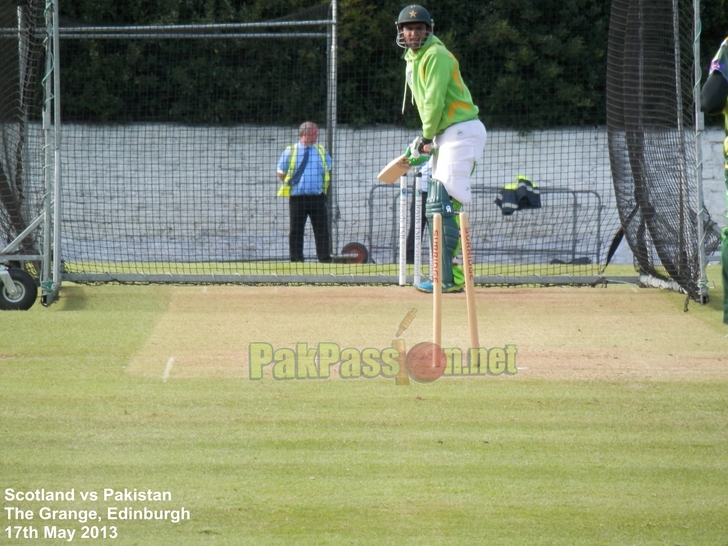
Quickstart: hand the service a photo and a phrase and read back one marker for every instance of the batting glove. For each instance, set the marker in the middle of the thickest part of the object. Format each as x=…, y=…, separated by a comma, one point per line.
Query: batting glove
x=420, y=145
x=420, y=159
x=418, y=153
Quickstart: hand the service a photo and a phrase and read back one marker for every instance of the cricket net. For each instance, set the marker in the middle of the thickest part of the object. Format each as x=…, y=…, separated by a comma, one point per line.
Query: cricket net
x=22, y=190
x=171, y=135
x=654, y=151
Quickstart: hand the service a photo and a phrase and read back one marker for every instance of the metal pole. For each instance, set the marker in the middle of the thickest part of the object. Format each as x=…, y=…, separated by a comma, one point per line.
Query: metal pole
x=56, y=152
x=45, y=277
x=403, y=209
x=331, y=126
x=418, y=229
x=22, y=51
x=51, y=278
x=682, y=240
x=699, y=125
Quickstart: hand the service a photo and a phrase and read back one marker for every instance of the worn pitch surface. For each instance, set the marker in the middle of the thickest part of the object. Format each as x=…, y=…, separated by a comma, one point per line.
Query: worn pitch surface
x=615, y=332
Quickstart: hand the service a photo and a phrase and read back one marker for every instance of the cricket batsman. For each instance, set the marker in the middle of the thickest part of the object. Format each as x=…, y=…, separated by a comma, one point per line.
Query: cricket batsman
x=714, y=100
x=452, y=134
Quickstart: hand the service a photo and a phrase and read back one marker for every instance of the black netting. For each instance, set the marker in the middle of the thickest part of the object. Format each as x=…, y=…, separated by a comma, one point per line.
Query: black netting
x=21, y=63
x=651, y=127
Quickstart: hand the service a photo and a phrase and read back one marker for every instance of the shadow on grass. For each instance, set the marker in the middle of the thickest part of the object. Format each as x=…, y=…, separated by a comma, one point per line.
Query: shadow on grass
x=74, y=298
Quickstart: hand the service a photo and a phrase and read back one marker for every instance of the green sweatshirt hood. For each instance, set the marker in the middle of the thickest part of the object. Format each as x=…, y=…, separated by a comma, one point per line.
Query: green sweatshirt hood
x=442, y=98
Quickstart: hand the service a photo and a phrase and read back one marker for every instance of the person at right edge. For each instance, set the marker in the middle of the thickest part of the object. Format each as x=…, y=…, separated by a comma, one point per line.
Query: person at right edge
x=452, y=135
x=714, y=101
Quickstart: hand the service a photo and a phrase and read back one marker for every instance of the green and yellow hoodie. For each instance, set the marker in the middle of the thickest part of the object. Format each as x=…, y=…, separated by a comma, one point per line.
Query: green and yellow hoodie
x=441, y=96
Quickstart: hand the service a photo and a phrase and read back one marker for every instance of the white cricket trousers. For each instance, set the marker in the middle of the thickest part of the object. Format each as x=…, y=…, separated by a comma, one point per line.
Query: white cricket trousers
x=459, y=148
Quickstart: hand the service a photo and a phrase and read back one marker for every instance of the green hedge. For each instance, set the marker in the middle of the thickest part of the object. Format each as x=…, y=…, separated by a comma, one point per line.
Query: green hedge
x=529, y=64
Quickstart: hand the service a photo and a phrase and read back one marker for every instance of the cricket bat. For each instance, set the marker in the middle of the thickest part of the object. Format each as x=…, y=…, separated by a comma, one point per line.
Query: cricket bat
x=394, y=170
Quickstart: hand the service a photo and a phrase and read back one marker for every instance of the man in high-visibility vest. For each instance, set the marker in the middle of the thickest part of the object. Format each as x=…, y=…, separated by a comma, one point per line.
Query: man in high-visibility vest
x=305, y=170
x=714, y=100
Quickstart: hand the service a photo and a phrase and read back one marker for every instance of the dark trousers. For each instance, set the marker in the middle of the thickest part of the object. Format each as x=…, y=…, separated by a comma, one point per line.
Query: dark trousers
x=314, y=207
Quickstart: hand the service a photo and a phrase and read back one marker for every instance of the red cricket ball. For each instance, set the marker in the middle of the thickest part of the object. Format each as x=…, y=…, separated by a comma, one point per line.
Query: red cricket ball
x=426, y=362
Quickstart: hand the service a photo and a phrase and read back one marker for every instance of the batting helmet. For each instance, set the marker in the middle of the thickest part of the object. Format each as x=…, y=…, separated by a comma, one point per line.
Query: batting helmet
x=412, y=14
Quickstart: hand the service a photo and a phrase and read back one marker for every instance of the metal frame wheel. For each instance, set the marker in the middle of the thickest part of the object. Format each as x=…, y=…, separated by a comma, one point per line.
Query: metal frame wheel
x=26, y=291
x=358, y=250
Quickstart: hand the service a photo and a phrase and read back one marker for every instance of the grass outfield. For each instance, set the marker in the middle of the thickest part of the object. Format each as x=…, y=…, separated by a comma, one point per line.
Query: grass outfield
x=613, y=431
x=314, y=269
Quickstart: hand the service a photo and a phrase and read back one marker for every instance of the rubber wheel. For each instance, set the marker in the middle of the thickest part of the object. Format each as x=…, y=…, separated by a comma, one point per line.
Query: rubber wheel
x=27, y=292
x=359, y=250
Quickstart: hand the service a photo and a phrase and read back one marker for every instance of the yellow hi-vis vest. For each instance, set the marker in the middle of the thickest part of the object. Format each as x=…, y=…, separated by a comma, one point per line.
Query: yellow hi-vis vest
x=285, y=189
